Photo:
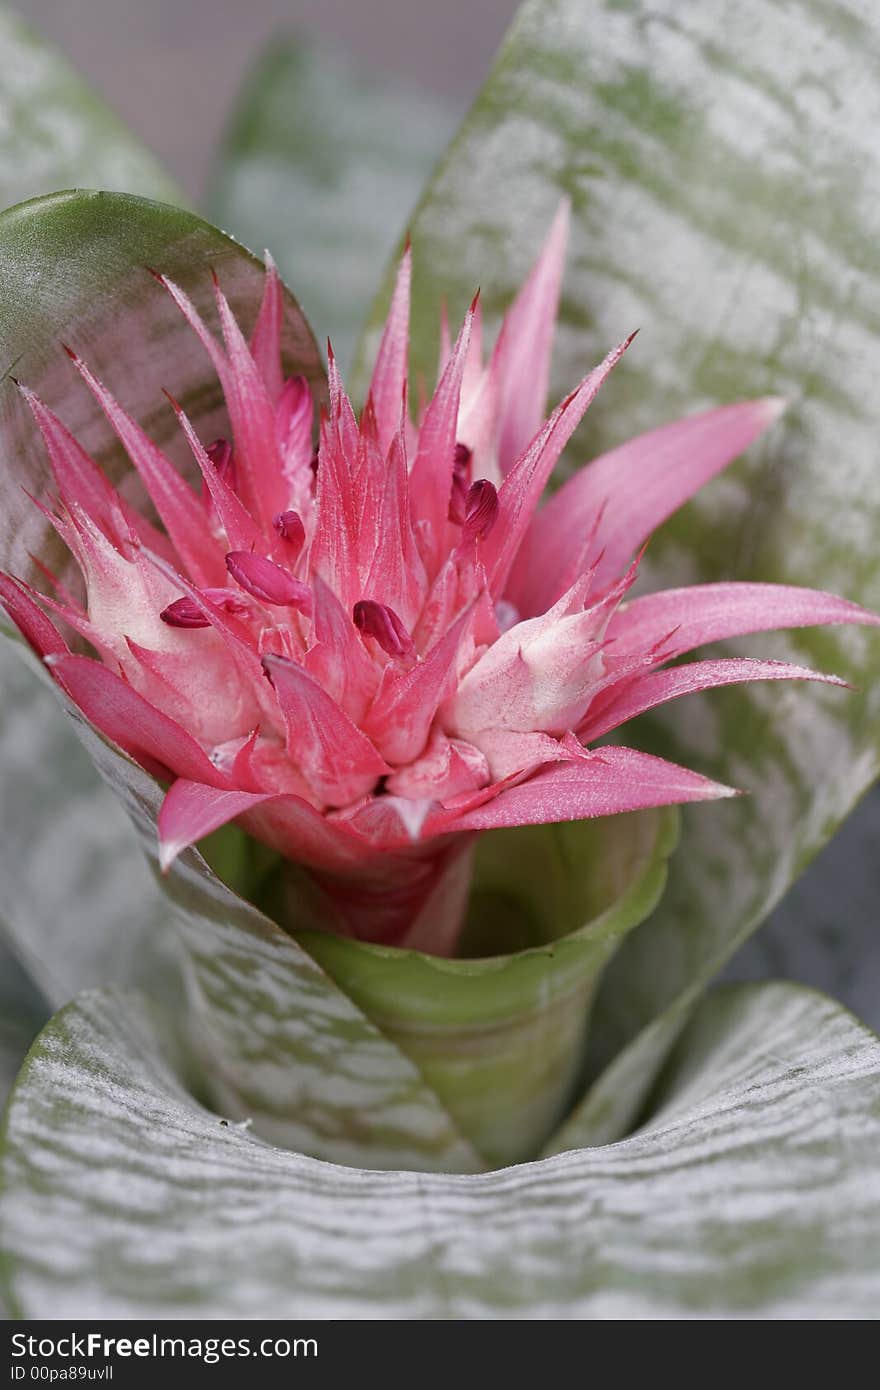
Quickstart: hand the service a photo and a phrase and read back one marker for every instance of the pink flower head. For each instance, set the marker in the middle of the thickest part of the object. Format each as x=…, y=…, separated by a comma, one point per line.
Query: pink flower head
x=365, y=654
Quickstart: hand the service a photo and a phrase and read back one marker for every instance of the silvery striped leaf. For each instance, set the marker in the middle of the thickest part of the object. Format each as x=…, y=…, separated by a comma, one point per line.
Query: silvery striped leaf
x=323, y=165
x=56, y=133
x=750, y=1191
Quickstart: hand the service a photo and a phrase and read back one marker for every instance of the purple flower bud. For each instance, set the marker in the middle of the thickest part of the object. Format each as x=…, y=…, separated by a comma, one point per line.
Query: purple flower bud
x=481, y=509
x=380, y=622
x=220, y=454
x=291, y=530
x=266, y=581
x=184, y=612
x=461, y=477
x=294, y=412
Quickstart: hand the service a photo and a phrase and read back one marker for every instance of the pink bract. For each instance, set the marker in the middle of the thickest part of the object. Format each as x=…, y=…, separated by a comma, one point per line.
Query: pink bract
x=369, y=652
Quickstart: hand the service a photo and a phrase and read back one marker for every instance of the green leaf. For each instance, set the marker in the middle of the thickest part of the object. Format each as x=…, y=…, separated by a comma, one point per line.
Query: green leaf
x=95, y=917
x=55, y=133
x=23, y=1011
x=803, y=939
x=751, y=1191
x=727, y=200
x=501, y=1038
x=323, y=166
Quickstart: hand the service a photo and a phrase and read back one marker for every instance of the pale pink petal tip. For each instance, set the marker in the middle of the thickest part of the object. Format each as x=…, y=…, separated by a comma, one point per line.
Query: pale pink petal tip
x=191, y=810
x=774, y=408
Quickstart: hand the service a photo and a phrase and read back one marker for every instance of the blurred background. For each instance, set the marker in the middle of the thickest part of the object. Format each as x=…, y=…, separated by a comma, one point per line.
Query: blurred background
x=174, y=73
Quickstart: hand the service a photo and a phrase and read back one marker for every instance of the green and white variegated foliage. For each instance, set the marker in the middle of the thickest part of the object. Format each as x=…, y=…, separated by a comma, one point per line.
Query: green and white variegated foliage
x=752, y=1191
x=323, y=166
x=56, y=133
x=749, y=1187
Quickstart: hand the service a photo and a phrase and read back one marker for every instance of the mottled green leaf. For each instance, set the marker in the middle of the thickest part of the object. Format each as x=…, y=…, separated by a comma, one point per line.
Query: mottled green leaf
x=323, y=166
x=55, y=133
x=751, y=1191
x=79, y=903
x=724, y=175
x=500, y=1034
x=23, y=1011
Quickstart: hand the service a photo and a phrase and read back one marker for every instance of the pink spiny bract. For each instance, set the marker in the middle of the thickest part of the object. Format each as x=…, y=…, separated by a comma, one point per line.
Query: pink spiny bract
x=367, y=654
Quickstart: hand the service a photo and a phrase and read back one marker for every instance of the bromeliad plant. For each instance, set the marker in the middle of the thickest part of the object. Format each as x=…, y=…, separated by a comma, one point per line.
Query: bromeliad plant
x=369, y=644
x=368, y=651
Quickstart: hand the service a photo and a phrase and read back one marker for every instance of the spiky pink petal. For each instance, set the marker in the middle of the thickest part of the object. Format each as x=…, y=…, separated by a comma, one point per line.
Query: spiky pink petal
x=175, y=502
x=143, y=731
x=658, y=687
x=38, y=630
x=266, y=337
x=393, y=565
x=191, y=810
x=253, y=419
x=636, y=486
x=682, y=619
x=430, y=482
x=604, y=783
x=522, y=488
x=389, y=374
x=335, y=756
x=242, y=532
x=405, y=706
x=80, y=481
x=521, y=360
x=337, y=659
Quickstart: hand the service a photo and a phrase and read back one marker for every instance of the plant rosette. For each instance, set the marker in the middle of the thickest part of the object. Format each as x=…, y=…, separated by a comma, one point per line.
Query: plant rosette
x=366, y=654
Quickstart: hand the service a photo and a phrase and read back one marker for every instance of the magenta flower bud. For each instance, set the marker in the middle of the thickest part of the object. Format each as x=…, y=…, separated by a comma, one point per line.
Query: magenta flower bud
x=220, y=454
x=184, y=612
x=481, y=510
x=290, y=528
x=266, y=581
x=380, y=622
x=461, y=477
x=293, y=425
x=294, y=410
